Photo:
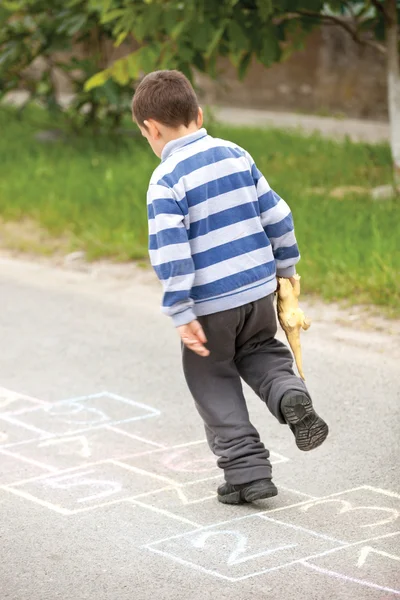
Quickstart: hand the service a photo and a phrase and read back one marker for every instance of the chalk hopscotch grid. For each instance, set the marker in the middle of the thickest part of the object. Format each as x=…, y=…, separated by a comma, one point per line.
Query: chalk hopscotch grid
x=95, y=463
x=169, y=485
x=14, y=488
x=9, y=416
x=44, y=404
x=11, y=450
x=12, y=417
x=172, y=485
x=302, y=561
x=276, y=457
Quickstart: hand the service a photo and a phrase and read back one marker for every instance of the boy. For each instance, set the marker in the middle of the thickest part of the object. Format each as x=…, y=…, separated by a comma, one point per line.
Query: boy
x=219, y=237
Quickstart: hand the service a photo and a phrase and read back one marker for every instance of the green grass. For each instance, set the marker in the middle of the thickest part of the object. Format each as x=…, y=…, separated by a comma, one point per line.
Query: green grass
x=92, y=191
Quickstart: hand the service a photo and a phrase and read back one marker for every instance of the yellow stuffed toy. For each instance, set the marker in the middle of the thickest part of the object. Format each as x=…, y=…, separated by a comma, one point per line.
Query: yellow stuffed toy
x=291, y=317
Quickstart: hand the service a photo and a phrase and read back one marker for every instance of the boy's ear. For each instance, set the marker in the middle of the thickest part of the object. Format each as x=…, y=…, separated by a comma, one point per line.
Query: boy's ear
x=152, y=128
x=200, y=118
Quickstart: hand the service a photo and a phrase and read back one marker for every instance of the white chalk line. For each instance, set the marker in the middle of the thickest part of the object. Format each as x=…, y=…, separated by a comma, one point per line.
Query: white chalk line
x=30, y=461
x=27, y=496
x=139, y=471
x=18, y=423
x=24, y=442
x=59, y=472
x=348, y=578
x=125, y=499
x=190, y=564
x=303, y=529
x=93, y=464
x=106, y=394
x=78, y=399
x=287, y=489
x=314, y=556
x=381, y=491
x=173, y=482
x=135, y=437
x=280, y=457
x=66, y=511
x=212, y=496
x=70, y=432
x=39, y=406
x=257, y=573
x=268, y=512
x=228, y=522
x=167, y=513
x=18, y=396
x=164, y=448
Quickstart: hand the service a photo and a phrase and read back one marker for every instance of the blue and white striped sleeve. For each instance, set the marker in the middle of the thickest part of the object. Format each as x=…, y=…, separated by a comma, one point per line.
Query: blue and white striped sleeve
x=170, y=253
x=277, y=221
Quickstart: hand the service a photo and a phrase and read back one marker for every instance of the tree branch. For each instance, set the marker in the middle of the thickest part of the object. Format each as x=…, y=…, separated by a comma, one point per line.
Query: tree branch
x=380, y=7
x=352, y=31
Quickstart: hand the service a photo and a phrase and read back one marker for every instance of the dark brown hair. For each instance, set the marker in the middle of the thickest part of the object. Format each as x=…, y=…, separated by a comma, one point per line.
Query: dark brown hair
x=166, y=97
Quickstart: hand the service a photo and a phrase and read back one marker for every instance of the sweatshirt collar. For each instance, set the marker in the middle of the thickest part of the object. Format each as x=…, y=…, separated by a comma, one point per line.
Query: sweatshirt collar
x=175, y=145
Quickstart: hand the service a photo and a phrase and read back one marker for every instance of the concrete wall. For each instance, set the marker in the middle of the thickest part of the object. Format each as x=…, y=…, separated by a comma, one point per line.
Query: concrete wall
x=331, y=75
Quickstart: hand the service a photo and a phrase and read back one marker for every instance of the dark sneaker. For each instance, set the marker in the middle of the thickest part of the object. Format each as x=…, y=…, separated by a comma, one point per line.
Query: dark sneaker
x=308, y=428
x=246, y=492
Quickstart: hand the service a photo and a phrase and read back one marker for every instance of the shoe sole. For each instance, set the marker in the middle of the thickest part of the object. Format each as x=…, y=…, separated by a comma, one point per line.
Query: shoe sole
x=249, y=494
x=309, y=429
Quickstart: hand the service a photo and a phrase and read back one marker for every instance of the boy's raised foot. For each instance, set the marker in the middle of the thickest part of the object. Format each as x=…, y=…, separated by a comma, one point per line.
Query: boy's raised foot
x=309, y=429
x=246, y=492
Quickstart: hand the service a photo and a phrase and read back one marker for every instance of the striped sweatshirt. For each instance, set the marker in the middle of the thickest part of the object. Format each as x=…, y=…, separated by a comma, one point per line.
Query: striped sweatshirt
x=218, y=234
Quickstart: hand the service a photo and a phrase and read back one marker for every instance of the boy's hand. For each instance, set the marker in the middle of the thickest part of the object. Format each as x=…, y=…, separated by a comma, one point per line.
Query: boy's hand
x=193, y=336
x=291, y=279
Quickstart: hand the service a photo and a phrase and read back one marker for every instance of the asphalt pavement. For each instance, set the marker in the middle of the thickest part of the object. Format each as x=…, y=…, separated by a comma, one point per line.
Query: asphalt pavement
x=107, y=487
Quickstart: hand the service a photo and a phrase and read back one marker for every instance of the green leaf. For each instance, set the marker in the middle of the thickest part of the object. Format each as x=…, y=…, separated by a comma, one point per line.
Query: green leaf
x=149, y=56
x=244, y=65
x=13, y=5
x=265, y=9
x=270, y=51
x=177, y=30
x=215, y=39
x=238, y=39
x=200, y=36
x=119, y=71
x=134, y=64
x=199, y=62
x=121, y=38
x=112, y=15
x=75, y=24
x=97, y=80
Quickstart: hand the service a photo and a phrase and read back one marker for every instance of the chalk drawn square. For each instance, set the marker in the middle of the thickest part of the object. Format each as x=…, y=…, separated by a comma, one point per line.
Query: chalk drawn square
x=12, y=469
x=375, y=565
x=87, y=412
x=242, y=548
x=78, y=490
x=183, y=464
x=65, y=452
x=352, y=515
x=14, y=433
x=131, y=521
x=186, y=463
x=184, y=496
x=13, y=402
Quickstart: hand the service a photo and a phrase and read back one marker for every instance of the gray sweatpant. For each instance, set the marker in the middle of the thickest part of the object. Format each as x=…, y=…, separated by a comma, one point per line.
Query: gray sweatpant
x=242, y=344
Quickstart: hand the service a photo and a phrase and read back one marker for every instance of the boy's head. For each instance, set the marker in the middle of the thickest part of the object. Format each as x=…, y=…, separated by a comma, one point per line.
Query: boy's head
x=165, y=107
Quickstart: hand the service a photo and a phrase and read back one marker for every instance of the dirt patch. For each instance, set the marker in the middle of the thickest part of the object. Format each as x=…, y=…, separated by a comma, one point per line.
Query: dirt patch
x=26, y=238
x=340, y=192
